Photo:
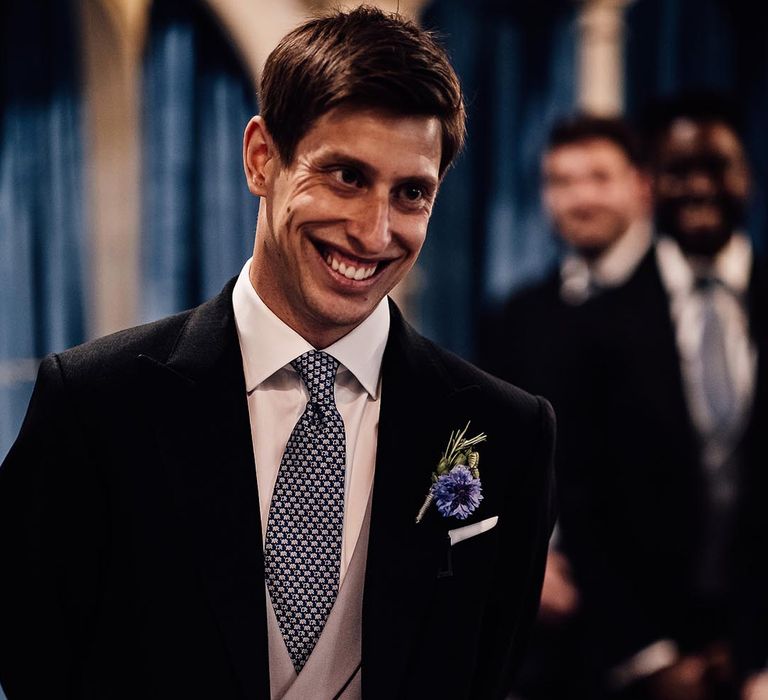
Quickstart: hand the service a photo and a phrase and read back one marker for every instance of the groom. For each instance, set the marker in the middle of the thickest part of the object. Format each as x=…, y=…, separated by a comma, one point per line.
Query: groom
x=223, y=504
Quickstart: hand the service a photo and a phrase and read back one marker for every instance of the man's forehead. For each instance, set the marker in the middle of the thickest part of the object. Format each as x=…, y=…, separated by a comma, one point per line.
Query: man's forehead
x=356, y=116
x=588, y=152
x=375, y=137
x=689, y=137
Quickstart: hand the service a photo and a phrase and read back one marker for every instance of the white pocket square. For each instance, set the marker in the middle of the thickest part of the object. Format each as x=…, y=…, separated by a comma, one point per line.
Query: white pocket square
x=464, y=533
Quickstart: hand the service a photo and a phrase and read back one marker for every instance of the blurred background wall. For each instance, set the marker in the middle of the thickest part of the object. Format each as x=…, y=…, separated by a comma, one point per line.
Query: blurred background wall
x=121, y=190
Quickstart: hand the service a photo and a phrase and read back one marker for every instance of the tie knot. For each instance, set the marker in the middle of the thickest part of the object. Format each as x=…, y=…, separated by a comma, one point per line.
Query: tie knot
x=708, y=282
x=318, y=371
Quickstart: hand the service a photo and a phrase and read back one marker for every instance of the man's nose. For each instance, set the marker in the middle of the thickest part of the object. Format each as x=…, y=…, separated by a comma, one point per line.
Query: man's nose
x=700, y=183
x=369, y=225
x=586, y=192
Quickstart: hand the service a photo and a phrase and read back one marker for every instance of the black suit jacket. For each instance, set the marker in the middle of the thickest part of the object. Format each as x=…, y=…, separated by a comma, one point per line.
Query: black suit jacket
x=530, y=342
x=130, y=531
x=632, y=491
x=533, y=343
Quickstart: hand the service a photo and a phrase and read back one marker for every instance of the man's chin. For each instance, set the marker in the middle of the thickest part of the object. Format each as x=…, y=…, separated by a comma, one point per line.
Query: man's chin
x=703, y=242
x=593, y=240
x=336, y=320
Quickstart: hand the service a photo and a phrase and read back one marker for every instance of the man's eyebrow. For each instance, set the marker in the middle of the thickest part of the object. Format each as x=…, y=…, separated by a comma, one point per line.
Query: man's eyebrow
x=347, y=160
x=366, y=169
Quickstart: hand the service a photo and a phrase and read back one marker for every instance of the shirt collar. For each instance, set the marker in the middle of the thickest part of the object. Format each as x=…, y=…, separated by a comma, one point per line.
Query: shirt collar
x=615, y=266
x=580, y=277
x=732, y=265
x=268, y=344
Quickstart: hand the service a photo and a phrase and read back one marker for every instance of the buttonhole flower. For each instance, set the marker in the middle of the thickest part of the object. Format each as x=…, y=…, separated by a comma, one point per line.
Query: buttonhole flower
x=456, y=488
x=457, y=493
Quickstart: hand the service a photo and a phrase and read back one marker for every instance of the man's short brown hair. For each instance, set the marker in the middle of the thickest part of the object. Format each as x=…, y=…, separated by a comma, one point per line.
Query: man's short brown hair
x=364, y=58
x=587, y=127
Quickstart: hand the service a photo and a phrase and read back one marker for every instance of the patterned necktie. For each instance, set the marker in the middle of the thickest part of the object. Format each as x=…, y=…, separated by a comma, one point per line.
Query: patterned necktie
x=716, y=377
x=306, y=516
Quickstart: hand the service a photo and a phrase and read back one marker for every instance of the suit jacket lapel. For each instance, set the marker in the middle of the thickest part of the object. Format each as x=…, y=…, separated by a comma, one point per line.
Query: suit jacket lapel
x=204, y=436
x=641, y=321
x=404, y=558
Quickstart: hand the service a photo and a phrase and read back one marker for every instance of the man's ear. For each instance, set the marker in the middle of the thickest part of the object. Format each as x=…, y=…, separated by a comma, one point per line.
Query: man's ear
x=259, y=155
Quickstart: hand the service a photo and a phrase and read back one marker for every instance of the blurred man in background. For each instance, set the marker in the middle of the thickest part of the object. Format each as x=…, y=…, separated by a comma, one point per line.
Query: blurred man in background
x=656, y=462
x=597, y=195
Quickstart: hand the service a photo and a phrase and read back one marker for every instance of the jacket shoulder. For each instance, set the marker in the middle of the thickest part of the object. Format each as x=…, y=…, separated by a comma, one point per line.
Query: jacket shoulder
x=497, y=394
x=543, y=293
x=115, y=354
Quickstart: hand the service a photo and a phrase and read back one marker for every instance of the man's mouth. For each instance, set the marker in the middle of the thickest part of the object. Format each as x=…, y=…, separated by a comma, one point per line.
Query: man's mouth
x=703, y=214
x=350, y=267
x=588, y=213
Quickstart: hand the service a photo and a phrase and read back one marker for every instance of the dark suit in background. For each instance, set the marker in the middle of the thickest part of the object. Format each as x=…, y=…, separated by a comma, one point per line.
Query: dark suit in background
x=528, y=342
x=597, y=195
x=655, y=485
x=632, y=491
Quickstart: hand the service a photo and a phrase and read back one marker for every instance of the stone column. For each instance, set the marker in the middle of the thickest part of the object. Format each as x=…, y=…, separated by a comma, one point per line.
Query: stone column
x=601, y=56
x=113, y=38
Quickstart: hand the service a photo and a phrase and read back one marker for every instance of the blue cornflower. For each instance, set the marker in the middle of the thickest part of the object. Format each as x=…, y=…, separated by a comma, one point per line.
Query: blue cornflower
x=457, y=493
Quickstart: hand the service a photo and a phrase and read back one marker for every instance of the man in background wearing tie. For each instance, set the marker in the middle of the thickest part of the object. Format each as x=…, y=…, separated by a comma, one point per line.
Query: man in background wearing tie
x=597, y=194
x=224, y=504
x=656, y=470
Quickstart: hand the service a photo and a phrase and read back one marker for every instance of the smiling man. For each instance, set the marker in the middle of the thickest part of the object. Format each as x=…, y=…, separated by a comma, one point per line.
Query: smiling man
x=223, y=504
x=660, y=465
x=346, y=220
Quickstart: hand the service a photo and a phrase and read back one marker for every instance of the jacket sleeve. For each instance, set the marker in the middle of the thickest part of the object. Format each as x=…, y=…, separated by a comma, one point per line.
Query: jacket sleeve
x=51, y=535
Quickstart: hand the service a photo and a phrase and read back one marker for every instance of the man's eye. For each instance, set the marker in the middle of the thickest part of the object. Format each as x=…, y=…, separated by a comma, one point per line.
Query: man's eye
x=348, y=176
x=412, y=194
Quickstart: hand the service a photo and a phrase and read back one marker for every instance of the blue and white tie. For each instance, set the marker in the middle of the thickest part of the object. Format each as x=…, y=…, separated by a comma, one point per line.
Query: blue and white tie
x=303, y=541
x=719, y=391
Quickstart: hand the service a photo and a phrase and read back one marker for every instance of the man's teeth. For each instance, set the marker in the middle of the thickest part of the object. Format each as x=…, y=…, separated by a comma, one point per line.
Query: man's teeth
x=349, y=271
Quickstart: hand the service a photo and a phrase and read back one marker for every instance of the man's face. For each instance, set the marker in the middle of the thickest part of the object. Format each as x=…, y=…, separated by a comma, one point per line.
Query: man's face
x=701, y=185
x=593, y=193
x=344, y=222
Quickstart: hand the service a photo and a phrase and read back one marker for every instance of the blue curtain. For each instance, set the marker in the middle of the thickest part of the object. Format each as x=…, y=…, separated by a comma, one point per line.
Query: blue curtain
x=718, y=45
x=488, y=234
x=42, y=206
x=198, y=218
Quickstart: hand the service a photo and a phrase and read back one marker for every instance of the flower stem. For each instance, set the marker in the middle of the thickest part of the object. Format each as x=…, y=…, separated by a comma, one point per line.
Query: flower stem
x=422, y=511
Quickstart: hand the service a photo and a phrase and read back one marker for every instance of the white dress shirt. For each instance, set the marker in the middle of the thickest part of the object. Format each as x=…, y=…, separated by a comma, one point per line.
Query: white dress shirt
x=732, y=267
x=277, y=397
